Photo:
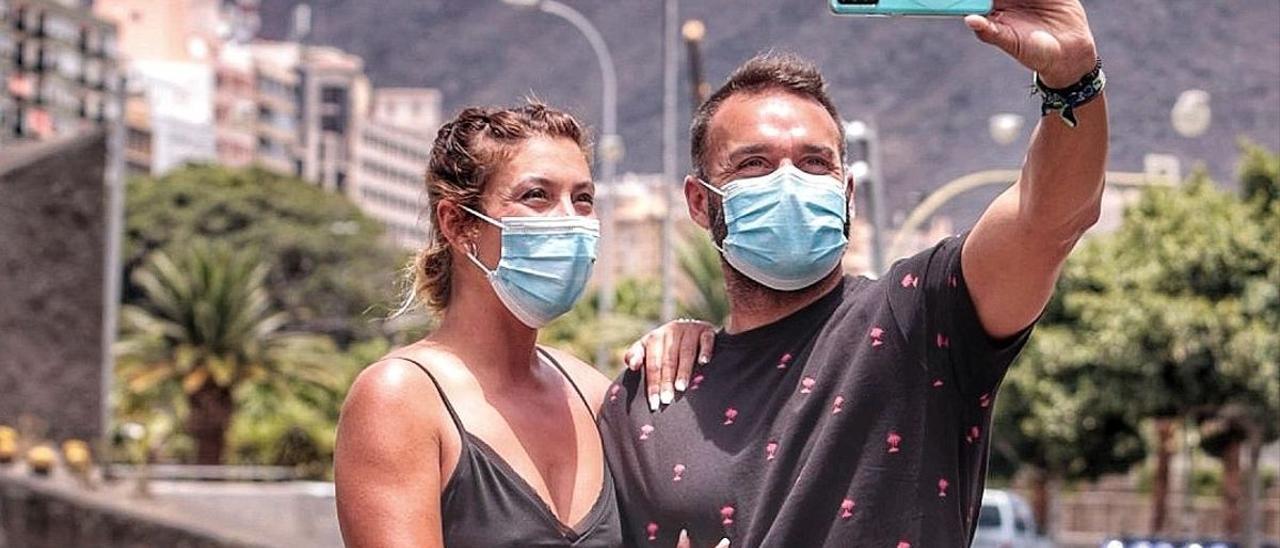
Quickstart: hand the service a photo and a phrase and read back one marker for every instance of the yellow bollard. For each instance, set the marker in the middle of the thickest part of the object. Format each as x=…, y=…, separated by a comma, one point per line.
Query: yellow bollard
x=79, y=459
x=8, y=444
x=41, y=458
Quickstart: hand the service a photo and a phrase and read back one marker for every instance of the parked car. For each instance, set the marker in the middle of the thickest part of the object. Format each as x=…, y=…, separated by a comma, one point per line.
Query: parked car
x=1006, y=522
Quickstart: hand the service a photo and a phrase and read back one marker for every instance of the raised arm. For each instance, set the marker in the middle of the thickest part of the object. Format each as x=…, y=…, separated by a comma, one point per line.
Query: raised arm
x=387, y=460
x=1013, y=256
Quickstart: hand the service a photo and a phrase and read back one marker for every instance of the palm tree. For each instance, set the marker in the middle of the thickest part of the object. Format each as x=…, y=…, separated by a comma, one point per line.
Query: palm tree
x=205, y=328
x=700, y=264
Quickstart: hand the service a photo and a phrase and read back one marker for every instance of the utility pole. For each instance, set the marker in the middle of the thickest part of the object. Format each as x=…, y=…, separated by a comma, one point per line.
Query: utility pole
x=671, y=180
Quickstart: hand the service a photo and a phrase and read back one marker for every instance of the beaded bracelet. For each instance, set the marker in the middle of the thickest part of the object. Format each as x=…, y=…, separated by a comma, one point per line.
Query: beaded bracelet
x=1064, y=101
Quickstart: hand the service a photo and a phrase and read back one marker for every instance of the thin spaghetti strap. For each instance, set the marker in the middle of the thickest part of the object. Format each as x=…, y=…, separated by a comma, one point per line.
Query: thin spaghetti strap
x=457, y=422
x=553, y=361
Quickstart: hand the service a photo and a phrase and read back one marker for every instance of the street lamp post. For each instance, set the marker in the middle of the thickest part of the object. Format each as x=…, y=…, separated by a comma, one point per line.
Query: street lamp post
x=862, y=136
x=610, y=148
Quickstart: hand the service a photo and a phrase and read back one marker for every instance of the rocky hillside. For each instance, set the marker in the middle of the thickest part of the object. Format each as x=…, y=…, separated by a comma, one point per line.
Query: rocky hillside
x=929, y=84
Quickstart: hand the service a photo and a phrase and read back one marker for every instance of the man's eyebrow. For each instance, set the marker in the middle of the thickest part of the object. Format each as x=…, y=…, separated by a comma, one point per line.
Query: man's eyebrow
x=745, y=150
x=818, y=149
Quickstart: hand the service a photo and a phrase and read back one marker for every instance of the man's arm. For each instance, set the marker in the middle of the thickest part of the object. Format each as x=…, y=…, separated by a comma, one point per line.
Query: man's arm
x=1013, y=256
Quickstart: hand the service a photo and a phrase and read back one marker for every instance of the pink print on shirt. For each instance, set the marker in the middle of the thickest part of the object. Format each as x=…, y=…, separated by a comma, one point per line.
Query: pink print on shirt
x=645, y=431
x=807, y=385
x=893, y=440
x=784, y=360
x=877, y=336
x=837, y=405
x=973, y=435
x=726, y=515
x=678, y=470
x=910, y=280
x=729, y=415
x=846, y=509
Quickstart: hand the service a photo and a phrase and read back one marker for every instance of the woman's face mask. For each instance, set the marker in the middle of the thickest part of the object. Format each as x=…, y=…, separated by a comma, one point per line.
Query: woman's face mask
x=786, y=230
x=545, y=264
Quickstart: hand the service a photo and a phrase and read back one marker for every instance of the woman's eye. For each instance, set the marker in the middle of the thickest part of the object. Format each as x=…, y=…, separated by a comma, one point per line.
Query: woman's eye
x=585, y=198
x=535, y=194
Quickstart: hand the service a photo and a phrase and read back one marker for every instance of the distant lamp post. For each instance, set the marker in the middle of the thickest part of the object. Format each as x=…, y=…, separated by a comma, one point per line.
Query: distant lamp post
x=861, y=139
x=610, y=148
x=1191, y=113
x=1005, y=128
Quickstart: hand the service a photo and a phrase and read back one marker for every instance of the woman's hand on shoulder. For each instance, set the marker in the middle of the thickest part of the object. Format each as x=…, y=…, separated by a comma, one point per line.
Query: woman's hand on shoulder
x=387, y=465
x=667, y=356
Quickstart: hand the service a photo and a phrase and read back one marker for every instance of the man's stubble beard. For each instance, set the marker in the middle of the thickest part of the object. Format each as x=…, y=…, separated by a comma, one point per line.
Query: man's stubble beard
x=744, y=293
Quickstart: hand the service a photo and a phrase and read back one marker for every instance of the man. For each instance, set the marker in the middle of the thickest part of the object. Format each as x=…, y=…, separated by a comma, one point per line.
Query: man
x=843, y=411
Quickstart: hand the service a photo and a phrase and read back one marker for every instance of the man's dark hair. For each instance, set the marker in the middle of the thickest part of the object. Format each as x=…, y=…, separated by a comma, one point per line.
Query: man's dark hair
x=764, y=72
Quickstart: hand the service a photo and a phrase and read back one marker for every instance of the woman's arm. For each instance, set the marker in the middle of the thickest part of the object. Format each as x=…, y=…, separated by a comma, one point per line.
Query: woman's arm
x=387, y=464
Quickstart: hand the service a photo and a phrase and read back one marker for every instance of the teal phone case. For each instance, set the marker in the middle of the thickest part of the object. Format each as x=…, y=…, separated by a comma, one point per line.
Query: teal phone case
x=934, y=8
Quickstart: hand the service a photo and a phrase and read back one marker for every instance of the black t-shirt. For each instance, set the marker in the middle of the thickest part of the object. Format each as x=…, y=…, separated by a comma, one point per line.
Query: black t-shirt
x=860, y=420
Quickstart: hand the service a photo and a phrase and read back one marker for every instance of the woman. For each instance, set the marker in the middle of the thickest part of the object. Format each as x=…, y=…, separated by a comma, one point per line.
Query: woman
x=476, y=436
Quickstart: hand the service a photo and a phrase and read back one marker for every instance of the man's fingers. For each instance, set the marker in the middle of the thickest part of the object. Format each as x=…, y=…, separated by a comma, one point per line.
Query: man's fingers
x=724, y=543
x=652, y=367
x=992, y=33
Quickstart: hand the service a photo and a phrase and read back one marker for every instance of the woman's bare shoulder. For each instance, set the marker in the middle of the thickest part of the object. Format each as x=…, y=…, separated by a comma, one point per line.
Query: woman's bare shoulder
x=590, y=380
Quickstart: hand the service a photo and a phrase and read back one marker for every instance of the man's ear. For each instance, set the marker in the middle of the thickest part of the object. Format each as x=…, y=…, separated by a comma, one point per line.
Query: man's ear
x=851, y=194
x=695, y=196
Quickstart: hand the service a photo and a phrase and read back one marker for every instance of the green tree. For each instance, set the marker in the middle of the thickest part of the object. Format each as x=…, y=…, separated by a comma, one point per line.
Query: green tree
x=1170, y=319
x=203, y=327
x=700, y=265
x=328, y=266
x=636, y=310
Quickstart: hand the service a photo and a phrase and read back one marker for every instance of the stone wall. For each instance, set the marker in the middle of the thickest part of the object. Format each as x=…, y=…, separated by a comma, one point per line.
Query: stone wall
x=46, y=513
x=52, y=230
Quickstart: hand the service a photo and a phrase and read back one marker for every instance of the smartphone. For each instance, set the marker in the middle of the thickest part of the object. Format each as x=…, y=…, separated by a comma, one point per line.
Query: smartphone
x=927, y=8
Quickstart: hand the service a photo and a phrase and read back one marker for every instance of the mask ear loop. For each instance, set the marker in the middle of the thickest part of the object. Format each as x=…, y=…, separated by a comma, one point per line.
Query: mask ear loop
x=473, y=254
x=721, y=194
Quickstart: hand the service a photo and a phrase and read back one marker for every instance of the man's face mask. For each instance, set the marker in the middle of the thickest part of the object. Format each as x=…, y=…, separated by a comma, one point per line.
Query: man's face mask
x=786, y=230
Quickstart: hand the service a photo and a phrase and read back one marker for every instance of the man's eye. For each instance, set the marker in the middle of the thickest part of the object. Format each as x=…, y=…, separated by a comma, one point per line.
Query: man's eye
x=535, y=194
x=585, y=198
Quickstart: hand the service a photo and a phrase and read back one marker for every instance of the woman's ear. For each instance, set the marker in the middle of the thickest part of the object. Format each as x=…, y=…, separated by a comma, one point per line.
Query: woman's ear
x=451, y=222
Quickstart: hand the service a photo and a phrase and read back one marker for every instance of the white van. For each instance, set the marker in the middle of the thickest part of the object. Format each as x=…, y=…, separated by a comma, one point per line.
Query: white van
x=1006, y=522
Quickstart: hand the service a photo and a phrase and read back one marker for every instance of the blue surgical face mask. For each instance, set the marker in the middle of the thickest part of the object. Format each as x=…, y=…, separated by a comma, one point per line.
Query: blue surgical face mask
x=545, y=264
x=786, y=230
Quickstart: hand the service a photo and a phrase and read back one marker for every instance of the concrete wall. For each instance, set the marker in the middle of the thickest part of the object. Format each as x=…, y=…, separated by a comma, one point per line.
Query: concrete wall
x=53, y=513
x=52, y=229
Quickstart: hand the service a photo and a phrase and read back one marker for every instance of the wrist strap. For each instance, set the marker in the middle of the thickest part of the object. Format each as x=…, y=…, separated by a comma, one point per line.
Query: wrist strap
x=1064, y=101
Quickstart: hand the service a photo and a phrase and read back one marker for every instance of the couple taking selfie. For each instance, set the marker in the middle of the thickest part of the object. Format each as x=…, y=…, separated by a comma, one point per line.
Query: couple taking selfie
x=829, y=410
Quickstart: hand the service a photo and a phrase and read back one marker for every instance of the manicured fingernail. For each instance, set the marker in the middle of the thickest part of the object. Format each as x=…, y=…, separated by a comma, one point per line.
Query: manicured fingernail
x=681, y=384
x=653, y=402
x=668, y=396
x=704, y=359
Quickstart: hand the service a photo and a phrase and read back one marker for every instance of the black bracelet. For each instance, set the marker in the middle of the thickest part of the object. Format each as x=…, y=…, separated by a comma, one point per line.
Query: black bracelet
x=1064, y=101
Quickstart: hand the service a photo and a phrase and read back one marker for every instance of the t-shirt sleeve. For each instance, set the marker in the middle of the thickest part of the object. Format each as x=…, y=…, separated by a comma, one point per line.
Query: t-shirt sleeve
x=933, y=308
